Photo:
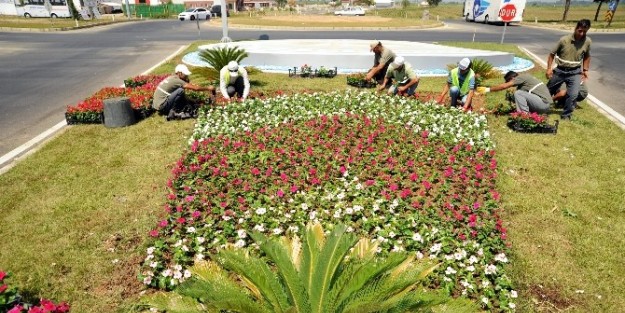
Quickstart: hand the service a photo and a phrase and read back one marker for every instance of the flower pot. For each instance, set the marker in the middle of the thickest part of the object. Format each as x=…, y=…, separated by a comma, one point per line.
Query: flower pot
x=546, y=129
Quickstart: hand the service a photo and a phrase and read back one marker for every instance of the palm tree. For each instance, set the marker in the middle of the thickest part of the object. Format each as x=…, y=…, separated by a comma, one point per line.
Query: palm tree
x=316, y=275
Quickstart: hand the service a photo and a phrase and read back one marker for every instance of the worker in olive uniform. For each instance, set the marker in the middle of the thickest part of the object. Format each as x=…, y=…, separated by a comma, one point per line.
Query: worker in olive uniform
x=402, y=77
x=531, y=95
x=383, y=57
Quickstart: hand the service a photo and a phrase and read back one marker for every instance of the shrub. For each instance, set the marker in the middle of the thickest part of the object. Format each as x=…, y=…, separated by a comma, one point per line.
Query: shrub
x=220, y=56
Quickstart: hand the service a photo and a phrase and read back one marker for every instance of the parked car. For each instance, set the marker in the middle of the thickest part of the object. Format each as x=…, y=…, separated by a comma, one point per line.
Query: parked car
x=353, y=11
x=216, y=10
x=194, y=13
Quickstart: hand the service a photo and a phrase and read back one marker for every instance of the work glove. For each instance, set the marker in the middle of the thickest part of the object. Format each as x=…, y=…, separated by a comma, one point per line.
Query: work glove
x=483, y=89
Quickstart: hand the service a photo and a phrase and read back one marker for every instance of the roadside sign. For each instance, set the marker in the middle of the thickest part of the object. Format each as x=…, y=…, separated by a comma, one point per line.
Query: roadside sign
x=507, y=12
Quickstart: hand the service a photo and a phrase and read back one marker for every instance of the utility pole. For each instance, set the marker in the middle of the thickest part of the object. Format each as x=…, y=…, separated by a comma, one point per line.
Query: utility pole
x=224, y=21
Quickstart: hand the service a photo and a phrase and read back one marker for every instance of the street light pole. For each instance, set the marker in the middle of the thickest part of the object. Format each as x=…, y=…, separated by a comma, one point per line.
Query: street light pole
x=224, y=21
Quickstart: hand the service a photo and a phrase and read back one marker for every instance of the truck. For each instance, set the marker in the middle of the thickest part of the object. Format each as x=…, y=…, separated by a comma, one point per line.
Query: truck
x=490, y=11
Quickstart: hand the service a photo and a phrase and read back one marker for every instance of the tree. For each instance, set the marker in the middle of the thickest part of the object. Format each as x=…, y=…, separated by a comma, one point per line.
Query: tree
x=601, y=2
x=567, y=5
x=434, y=3
x=405, y=4
x=320, y=274
x=240, y=4
x=281, y=3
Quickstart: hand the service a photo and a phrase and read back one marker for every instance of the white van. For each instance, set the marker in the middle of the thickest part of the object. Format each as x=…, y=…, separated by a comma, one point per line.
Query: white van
x=488, y=12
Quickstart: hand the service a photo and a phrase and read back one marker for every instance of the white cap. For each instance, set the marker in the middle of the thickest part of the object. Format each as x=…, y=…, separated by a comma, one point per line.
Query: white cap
x=233, y=66
x=399, y=61
x=181, y=68
x=374, y=44
x=464, y=64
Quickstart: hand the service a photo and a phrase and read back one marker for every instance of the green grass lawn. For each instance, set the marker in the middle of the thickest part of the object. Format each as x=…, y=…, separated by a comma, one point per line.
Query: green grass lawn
x=43, y=23
x=75, y=215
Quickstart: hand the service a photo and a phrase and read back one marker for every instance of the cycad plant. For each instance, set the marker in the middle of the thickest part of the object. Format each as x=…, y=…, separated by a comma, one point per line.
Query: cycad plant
x=318, y=274
x=220, y=56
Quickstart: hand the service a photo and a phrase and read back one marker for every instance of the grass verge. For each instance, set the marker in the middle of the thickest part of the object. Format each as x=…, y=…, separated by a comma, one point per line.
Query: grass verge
x=75, y=215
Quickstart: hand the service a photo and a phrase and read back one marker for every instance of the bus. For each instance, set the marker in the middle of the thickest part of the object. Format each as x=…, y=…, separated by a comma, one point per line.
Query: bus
x=488, y=12
x=45, y=8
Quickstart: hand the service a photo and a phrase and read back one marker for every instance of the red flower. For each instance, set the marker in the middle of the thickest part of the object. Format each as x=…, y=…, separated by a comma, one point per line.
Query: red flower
x=163, y=223
x=3, y=288
x=293, y=189
x=255, y=171
x=2, y=275
x=280, y=193
x=181, y=220
x=369, y=182
x=154, y=233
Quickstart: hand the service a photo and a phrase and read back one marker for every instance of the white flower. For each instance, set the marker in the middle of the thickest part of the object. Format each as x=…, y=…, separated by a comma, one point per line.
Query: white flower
x=151, y=250
x=304, y=206
x=153, y=310
x=240, y=243
x=199, y=257
x=187, y=273
x=450, y=271
x=153, y=264
x=435, y=248
x=417, y=237
x=485, y=300
x=472, y=259
x=480, y=252
x=419, y=255
x=259, y=228
x=349, y=211
x=147, y=280
x=349, y=229
x=501, y=257
x=167, y=273
x=447, y=279
x=460, y=254
x=241, y=233
x=191, y=229
x=485, y=283
x=200, y=239
x=513, y=294
x=312, y=215
x=340, y=196
x=470, y=268
x=490, y=269
x=392, y=234
x=261, y=211
x=185, y=248
x=277, y=231
x=512, y=305
x=177, y=275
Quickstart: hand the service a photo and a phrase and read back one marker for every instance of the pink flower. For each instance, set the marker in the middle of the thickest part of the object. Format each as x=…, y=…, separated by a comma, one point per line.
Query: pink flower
x=293, y=189
x=425, y=134
x=393, y=187
x=189, y=198
x=35, y=310
x=414, y=176
x=16, y=309
x=2, y=275
x=154, y=233
x=312, y=171
x=196, y=214
x=342, y=169
x=427, y=185
x=280, y=193
x=181, y=220
x=3, y=288
x=47, y=305
x=255, y=171
x=369, y=182
x=163, y=223
x=171, y=196
x=223, y=204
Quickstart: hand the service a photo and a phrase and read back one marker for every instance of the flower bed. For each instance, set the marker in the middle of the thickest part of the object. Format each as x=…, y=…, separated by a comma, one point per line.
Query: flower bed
x=307, y=71
x=139, y=90
x=11, y=301
x=531, y=123
x=416, y=177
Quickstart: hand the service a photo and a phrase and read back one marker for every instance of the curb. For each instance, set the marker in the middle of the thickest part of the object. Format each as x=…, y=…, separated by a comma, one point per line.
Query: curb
x=58, y=29
x=568, y=28
x=329, y=28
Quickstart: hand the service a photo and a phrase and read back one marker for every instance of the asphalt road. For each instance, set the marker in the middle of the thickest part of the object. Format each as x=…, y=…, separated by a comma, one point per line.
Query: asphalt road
x=42, y=73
